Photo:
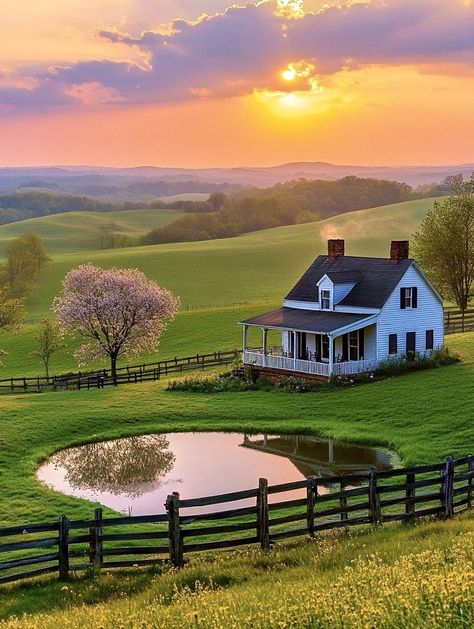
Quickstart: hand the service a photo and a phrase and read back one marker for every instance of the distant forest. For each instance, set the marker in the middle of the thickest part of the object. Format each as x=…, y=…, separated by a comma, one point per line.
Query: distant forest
x=222, y=215
x=284, y=204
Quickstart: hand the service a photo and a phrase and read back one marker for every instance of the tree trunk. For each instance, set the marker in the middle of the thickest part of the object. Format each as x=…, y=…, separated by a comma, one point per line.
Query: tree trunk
x=113, y=368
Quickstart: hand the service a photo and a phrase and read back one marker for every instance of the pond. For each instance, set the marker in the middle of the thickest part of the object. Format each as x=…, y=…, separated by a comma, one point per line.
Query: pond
x=134, y=475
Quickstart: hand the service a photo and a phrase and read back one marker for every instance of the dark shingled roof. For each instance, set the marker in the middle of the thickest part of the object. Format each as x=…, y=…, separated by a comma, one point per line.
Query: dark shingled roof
x=375, y=279
x=319, y=321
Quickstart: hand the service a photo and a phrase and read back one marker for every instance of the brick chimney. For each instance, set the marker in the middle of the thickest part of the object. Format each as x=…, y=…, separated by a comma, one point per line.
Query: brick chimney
x=399, y=251
x=335, y=248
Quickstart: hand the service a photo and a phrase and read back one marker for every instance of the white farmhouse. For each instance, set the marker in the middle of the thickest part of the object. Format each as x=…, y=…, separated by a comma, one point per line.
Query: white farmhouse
x=348, y=313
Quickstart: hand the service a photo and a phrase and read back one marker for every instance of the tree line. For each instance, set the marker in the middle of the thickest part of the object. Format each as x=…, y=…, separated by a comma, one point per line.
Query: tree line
x=288, y=203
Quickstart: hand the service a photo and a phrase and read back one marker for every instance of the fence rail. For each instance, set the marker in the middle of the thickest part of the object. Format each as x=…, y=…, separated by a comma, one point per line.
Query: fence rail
x=125, y=375
x=457, y=321
x=261, y=516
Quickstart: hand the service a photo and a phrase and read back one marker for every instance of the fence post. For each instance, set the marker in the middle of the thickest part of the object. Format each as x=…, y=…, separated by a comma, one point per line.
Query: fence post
x=470, y=469
x=410, y=495
x=263, y=527
x=343, y=502
x=447, y=487
x=311, y=495
x=174, y=530
x=98, y=532
x=374, y=500
x=63, y=547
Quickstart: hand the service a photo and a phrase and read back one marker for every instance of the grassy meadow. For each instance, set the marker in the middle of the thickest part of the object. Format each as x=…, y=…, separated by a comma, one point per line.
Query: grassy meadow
x=221, y=281
x=395, y=576
x=80, y=231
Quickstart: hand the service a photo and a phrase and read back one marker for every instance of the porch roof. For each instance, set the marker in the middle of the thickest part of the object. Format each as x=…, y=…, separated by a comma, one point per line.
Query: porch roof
x=317, y=322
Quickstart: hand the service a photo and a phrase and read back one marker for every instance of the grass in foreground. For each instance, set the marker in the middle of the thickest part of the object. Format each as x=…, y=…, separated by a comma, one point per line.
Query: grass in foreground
x=402, y=576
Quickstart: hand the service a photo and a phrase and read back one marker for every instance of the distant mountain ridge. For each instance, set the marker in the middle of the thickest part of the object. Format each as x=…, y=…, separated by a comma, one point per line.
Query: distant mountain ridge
x=142, y=183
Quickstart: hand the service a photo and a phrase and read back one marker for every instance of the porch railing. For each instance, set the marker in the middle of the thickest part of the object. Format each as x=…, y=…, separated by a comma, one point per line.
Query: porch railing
x=353, y=367
x=287, y=364
x=307, y=366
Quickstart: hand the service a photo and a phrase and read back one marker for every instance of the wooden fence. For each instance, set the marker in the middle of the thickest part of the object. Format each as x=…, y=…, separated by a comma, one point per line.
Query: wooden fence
x=255, y=516
x=125, y=375
x=456, y=321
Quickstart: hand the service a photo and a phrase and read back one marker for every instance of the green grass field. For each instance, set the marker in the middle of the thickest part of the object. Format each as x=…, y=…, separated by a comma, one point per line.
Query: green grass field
x=396, y=576
x=79, y=231
x=255, y=271
x=415, y=415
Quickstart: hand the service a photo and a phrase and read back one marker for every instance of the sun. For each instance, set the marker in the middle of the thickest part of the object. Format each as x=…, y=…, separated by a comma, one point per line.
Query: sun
x=289, y=74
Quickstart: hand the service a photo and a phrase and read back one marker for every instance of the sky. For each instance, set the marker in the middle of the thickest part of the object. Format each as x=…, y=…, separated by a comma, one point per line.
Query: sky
x=208, y=83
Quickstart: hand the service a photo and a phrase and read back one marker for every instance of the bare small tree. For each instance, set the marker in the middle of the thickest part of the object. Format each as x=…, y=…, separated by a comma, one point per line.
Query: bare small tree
x=48, y=343
x=444, y=243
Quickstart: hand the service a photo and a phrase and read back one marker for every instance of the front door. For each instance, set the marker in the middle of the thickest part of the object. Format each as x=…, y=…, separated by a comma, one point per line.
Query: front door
x=411, y=345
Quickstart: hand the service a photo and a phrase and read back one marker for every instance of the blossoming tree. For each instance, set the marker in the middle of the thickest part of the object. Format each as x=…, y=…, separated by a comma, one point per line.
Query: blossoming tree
x=119, y=312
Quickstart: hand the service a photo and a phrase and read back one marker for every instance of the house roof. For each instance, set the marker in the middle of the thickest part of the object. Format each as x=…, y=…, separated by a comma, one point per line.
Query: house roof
x=374, y=279
x=320, y=322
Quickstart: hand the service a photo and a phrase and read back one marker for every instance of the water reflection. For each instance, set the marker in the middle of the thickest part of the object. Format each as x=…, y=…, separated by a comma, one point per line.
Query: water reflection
x=313, y=456
x=134, y=475
x=130, y=466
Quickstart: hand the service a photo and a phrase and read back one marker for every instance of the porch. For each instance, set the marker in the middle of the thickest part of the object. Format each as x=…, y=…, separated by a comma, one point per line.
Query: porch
x=312, y=367
x=317, y=344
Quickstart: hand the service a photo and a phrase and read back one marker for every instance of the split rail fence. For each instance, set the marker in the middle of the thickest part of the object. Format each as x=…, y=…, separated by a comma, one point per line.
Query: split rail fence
x=456, y=321
x=259, y=516
x=125, y=375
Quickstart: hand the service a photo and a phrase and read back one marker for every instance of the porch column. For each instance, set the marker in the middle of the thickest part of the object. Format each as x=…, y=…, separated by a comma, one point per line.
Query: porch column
x=295, y=348
x=265, y=335
x=244, y=338
x=331, y=354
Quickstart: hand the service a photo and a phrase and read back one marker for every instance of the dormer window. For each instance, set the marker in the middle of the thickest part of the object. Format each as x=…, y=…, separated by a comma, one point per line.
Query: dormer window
x=325, y=300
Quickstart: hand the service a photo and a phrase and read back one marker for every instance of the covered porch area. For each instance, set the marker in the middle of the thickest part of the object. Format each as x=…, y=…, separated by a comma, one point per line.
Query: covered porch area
x=318, y=344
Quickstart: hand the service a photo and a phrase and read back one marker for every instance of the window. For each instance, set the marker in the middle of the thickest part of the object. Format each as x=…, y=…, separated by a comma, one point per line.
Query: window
x=392, y=344
x=408, y=297
x=325, y=300
x=429, y=339
x=354, y=345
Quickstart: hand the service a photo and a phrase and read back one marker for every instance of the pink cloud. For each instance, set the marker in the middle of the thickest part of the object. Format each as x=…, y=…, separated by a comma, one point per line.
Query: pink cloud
x=244, y=48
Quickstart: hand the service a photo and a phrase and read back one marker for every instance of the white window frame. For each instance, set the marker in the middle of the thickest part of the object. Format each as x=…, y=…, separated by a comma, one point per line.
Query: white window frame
x=354, y=346
x=408, y=292
x=325, y=297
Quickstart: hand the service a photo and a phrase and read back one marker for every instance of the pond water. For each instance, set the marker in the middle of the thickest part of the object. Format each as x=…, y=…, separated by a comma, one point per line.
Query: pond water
x=134, y=475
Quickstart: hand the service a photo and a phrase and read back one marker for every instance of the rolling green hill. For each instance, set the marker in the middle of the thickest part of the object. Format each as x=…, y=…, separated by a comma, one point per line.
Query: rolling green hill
x=220, y=281
x=258, y=266
x=76, y=231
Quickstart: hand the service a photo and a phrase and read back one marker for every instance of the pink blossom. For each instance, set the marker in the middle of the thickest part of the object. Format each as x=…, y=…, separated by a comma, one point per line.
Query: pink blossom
x=119, y=311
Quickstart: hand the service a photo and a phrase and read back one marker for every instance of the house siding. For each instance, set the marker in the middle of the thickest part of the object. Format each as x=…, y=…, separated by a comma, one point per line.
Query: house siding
x=428, y=315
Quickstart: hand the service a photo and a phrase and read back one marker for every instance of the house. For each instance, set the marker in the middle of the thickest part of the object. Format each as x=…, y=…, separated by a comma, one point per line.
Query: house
x=346, y=314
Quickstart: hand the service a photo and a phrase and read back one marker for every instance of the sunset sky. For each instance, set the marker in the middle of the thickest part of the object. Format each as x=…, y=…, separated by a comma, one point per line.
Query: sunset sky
x=215, y=83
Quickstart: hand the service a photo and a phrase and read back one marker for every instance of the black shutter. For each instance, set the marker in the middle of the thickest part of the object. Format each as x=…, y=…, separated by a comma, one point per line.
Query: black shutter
x=429, y=339
x=392, y=344
x=345, y=347
x=414, y=297
x=361, y=344
x=402, y=298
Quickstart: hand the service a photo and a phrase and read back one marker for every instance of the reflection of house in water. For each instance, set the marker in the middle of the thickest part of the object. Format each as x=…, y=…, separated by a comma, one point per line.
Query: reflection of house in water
x=321, y=457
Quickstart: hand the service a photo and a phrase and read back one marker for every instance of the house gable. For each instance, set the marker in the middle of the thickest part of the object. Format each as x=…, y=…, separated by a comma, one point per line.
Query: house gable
x=428, y=315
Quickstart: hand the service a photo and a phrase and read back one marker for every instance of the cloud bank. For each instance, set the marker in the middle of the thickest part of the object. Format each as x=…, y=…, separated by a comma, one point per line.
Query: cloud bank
x=245, y=48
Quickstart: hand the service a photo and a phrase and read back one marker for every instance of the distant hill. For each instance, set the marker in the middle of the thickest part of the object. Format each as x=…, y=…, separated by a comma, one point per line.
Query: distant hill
x=144, y=183
x=80, y=231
